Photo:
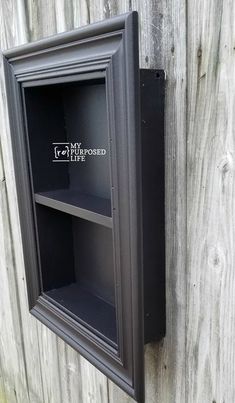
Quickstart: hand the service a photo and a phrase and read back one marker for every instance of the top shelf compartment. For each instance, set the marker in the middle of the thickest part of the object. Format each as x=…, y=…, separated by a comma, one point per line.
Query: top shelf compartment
x=69, y=148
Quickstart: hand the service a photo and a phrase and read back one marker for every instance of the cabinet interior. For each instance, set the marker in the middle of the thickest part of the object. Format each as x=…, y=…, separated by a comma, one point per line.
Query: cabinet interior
x=73, y=209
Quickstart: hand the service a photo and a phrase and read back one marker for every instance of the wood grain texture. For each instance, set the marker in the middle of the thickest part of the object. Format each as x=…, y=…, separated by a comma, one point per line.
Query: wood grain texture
x=163, y=45
x=211, y=207
x=195, y=362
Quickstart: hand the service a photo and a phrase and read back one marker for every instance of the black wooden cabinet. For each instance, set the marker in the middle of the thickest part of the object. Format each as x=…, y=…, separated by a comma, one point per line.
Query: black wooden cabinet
x=88, y=147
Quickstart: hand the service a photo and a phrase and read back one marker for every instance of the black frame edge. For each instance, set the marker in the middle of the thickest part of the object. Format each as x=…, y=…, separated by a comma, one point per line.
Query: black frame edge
x=97, y=28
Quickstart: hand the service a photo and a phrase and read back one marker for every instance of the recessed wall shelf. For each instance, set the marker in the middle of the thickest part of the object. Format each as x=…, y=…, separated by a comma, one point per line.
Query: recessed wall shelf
x=87, y=130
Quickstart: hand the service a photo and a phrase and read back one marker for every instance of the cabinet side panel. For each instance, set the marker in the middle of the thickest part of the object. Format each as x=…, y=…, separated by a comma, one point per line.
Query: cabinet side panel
x=152, y=130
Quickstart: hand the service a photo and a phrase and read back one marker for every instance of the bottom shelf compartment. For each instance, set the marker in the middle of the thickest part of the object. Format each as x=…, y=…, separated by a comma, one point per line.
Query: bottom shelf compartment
x=91, y=310
x=77, y=269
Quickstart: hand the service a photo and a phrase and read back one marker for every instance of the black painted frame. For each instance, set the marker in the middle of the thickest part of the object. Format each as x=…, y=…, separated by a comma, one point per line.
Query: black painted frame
x=110, y=46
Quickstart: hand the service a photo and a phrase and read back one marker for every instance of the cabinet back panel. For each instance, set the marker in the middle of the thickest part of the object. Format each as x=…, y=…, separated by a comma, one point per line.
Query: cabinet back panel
x=73, y=113
x=93, y=258
x=45, y=122
x=86, y=122
x=55, y=237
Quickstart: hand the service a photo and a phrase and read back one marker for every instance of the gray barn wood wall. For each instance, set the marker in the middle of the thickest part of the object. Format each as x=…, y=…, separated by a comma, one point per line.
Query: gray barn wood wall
x=194, y=41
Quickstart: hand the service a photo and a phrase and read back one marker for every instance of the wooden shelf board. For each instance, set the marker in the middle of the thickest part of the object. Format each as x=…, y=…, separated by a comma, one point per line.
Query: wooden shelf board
x=91, y=208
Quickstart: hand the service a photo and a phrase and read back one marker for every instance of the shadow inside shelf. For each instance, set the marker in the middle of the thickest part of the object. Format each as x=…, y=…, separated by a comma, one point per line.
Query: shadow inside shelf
x=91, y=310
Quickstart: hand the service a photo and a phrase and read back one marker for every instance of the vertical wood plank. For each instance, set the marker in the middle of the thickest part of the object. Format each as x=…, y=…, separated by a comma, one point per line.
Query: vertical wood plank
x=163, y=45
x=81, y=13
x=41, y=18
x=211, y=207
x=94, y=384
x=49, y=364
x=170, y=375
x=150, y=32
x=12, y=361
x=70, y=370
x=18, y=353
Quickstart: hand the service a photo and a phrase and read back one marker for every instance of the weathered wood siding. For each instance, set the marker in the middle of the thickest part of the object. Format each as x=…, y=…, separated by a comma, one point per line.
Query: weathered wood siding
x=193, y=40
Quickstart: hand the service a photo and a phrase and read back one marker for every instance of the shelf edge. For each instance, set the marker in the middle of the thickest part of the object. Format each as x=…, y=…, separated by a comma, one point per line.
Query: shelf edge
x=74, y=210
